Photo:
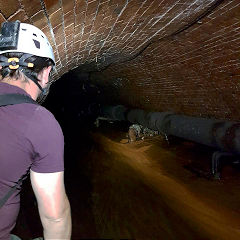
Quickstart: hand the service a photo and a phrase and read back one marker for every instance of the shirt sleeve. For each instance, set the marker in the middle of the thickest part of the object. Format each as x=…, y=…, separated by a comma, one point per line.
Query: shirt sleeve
x=46, y=137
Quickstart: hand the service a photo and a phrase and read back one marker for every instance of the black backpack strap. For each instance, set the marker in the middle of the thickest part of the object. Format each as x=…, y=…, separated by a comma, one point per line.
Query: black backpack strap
x=11, y=99
x=13, y=189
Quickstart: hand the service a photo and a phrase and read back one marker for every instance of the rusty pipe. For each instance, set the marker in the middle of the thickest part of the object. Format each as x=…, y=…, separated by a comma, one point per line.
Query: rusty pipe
x=224, y=135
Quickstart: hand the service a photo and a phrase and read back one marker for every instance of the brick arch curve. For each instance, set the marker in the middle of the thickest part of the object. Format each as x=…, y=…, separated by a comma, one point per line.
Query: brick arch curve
x=85, y=31
x=180, y=55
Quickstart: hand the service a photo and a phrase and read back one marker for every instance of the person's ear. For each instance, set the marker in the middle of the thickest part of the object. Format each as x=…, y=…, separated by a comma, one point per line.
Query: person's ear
x=43, y=76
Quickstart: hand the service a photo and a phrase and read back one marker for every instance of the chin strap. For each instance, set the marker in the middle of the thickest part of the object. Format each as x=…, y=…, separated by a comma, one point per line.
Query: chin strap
x=33, y=76
x=9, y=64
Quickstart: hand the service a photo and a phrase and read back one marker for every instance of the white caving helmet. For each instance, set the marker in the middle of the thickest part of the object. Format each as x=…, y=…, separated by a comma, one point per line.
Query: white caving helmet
x=27, y=39
x=30, y=40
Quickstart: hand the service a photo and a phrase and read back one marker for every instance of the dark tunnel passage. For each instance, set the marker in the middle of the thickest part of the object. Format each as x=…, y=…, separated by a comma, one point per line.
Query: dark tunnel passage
x=148, y=189
x=177, y=59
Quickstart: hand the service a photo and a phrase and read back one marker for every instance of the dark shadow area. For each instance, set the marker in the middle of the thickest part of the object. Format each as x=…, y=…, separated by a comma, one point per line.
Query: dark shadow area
x=149, y=189
x=73, y=103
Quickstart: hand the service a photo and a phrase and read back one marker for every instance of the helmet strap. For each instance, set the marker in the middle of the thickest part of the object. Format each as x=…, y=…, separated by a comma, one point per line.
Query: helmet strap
x=32, y=76
x=14, y=63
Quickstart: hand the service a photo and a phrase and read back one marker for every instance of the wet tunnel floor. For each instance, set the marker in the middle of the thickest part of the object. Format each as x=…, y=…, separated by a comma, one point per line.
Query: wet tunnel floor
x=143, y=190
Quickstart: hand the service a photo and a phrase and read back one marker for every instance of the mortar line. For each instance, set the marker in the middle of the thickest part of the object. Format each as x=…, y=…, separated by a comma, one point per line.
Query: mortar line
x=207, y=12
x=22, y=7
x=74, y=12
x=125, y=6
x=63, y=26
x=51, y=29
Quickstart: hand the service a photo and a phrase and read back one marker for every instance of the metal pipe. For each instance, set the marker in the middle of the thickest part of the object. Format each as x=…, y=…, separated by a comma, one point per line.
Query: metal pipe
x=224, y=135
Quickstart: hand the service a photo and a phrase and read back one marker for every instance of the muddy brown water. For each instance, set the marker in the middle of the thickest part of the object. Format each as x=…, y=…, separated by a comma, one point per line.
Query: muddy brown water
x=144, y=190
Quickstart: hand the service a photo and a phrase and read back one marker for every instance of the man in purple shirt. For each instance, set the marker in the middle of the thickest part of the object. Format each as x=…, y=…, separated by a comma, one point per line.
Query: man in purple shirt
x=30, y=137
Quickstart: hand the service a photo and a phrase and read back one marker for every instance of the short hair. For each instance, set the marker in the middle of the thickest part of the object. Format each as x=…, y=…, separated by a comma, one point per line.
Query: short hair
x=39, y=64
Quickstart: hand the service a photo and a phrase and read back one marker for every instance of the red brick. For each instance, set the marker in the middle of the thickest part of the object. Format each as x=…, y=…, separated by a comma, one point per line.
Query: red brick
x=59, y=39
x=39, y=20
x=77, y=37
x=185, y=73
x=92, y=7
x=69, y=30
x=69, y=38
x=2, y=19
x=89, y=20
x=31, y=7
x=182, y=74
x=58, y=30
x=81, y=6
x=9, y=7
x=52, y=6
x=68, y=6
x=56, y=18
x=68, y=19
x=19, y=15
x=80, y=18
x=78, y=28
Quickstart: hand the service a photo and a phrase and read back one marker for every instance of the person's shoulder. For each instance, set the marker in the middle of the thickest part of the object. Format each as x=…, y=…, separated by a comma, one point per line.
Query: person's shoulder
x=44, y=120
x=47, y=141
x=32, y=112
x=42, y=113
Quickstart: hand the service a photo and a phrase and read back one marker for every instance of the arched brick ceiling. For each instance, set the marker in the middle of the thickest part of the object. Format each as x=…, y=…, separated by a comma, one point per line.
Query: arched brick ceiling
x=179, y=55
x=195, y=71
x=99, y=31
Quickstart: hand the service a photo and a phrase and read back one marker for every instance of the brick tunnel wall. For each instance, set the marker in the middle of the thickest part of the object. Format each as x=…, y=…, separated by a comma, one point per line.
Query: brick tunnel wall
x=195, y=71
x=162, y=55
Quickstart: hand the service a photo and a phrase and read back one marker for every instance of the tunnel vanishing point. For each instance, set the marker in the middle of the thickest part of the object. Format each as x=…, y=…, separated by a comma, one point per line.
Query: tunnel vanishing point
x=173, y=56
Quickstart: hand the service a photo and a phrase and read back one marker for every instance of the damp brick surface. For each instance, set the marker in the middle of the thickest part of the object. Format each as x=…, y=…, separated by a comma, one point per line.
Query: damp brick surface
x=171, y=55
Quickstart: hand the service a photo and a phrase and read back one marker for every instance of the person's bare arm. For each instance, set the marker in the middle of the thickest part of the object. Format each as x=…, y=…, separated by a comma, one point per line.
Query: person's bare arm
x=53, y=204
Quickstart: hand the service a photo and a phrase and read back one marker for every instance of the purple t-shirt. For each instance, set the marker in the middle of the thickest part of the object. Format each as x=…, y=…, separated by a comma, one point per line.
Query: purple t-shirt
x=31, y=137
